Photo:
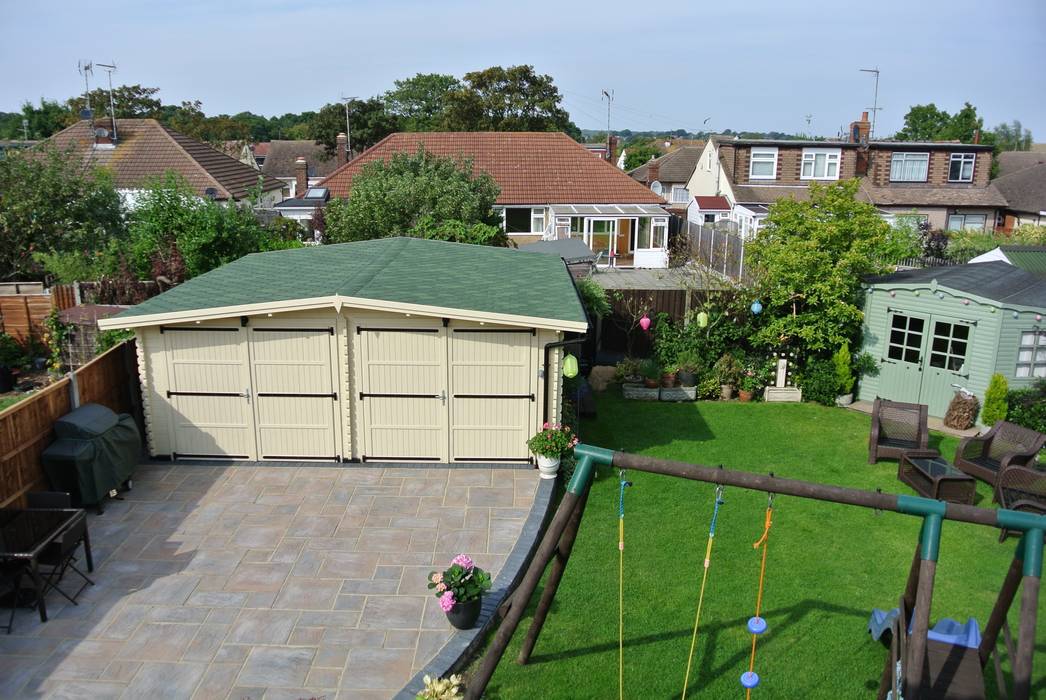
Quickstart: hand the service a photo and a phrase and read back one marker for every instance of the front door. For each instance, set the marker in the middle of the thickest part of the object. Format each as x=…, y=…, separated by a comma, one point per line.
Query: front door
x=601, y=236
x=902, y=363
x=945, y=362
x=625, y=230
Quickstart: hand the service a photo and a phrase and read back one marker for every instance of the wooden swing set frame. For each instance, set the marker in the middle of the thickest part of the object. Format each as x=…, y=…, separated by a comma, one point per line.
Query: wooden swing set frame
x=929, y=669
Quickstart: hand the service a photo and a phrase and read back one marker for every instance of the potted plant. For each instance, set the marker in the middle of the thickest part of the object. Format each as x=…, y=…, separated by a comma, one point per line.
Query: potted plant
x=668, y=376
x=844, y=376
x=651, y=374
x=688, y=362
x=628, y=371
x=441, y=688
x=549, y=444
x=728, y=371
x=460, y=590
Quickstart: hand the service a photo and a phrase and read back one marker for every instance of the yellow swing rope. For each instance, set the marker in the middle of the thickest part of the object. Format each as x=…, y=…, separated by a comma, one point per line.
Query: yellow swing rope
x=704, y=580
x=764, y=543
x=621, y=585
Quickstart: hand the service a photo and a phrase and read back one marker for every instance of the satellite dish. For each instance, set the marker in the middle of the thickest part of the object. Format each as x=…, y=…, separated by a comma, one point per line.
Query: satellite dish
x=211, y=192
x=86, y=113
x=101, y=133
x=656, y=187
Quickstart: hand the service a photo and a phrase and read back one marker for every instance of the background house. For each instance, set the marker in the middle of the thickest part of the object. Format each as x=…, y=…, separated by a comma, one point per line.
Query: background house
x=935, y=328
x=142, y=150
x=1022, y=181
x=551, y=187
x=668, y=175
x=281, y=157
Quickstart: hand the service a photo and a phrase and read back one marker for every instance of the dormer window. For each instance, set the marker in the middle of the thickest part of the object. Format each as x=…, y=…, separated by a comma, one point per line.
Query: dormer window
x=763, y=164
x=960, y=167
x=909, y=167
x=820, y=164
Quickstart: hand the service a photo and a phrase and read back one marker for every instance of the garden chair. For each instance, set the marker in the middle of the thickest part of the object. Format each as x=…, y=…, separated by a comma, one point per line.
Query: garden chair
x=897, y=427
x=1005, y=445
x=59, y=557
x=1021, y=488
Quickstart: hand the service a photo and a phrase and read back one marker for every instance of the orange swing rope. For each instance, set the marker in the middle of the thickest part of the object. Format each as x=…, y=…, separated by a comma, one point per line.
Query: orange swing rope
x=764, y=543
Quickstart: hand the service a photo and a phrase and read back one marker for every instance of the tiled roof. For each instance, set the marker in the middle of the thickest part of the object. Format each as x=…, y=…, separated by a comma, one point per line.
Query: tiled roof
x=1027, y=257
x=676, y=166
x=1012, y=161
x=146, y=149
x=1025, y=189
x=922, y=196
x=404, y=270
x=280, y=157
x=996, y=280
x=261, y=149
x=530, y=167
x=716, y=203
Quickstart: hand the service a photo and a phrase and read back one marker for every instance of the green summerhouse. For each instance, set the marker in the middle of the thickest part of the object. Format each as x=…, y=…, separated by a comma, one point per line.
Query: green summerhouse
x=936, y=328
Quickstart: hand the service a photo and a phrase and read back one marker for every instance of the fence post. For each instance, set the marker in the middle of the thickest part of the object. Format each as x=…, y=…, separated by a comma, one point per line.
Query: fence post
x=74, y=390
x=741, y=262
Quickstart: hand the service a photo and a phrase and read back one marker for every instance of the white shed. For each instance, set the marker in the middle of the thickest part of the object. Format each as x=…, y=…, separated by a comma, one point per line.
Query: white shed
x=389, y=350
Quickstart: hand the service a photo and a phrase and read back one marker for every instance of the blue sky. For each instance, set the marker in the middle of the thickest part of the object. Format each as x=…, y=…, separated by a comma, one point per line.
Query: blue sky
x=759, y=65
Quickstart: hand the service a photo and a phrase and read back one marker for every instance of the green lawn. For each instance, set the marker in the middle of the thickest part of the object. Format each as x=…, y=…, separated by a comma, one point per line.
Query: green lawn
x=6, y=401
x=828, y=565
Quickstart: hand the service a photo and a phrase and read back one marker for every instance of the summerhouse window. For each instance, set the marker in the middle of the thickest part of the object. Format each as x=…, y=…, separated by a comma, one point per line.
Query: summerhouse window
x=1031, y=355
x=906, y=339
x=948, y=349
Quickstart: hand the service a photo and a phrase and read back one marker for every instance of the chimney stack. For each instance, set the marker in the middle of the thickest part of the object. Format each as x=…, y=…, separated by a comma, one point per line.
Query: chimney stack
x=342, y=149
x=301, y=177
x=976, y=135
x=861, y=130
x=612, y=149
x=653, y=171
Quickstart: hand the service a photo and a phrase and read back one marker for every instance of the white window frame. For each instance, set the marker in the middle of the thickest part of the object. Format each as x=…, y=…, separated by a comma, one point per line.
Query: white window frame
x=902, y=157
x=676, y=191
x=963, y=159
x=535, y=214
x=766, y=154
x=659, y=232
x=832, y=156
x=965, y=226
x=1031, y=367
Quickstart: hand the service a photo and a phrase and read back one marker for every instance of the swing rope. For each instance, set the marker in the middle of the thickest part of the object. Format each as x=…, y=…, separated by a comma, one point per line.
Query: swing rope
x=704, y=580
x=764, y=543
x=621, y=584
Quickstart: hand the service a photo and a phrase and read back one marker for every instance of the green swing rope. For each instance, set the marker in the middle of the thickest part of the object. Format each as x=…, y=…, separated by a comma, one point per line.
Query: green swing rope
x=704, y=580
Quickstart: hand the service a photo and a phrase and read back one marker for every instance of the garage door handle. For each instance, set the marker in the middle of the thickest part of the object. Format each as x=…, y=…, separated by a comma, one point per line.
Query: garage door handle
x=247, y=395
x=442, y=396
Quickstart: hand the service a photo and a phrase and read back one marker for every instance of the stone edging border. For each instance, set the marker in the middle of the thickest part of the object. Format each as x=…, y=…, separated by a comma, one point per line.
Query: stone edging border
x=459, y=648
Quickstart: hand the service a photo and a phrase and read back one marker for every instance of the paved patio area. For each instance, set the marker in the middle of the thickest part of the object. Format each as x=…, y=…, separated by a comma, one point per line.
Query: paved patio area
x=266, y=581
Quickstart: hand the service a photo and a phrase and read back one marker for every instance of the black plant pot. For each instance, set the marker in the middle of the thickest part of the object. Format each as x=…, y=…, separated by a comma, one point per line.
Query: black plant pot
x=464, y=615
x=7, y=379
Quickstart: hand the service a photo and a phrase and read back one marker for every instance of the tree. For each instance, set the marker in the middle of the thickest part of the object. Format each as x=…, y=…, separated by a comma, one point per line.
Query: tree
x=420, y=102
x=49, y=203
x=369, y=122
x=928, y=123
x=1013, y=137
x=508, y=99
x=639, y=153
x=417, y=194
x=45, y=120
x=131, y=102
x=809, y=260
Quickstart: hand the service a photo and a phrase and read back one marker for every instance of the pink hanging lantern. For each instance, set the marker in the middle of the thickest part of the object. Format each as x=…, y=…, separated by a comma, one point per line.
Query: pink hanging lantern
x=644, y=322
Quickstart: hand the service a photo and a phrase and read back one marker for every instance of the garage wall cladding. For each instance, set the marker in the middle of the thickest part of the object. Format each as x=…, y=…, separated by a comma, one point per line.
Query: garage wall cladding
x=351, y=385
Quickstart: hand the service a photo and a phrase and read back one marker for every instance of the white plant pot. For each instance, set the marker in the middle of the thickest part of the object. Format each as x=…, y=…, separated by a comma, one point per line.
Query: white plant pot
x=844, y=400
x=548, y=466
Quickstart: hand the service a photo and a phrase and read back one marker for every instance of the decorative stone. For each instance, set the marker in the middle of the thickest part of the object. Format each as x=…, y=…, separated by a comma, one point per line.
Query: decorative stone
x=679, y=393
x=782, y=394
x=638, y=392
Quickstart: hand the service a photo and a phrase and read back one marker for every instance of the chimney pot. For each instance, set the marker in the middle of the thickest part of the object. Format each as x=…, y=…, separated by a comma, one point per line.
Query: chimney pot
x=301, y=177
x=342, y=148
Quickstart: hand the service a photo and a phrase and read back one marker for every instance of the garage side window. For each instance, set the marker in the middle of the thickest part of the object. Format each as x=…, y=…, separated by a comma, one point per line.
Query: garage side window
x=1031, y=355
x=906, y=338
x=948, y=350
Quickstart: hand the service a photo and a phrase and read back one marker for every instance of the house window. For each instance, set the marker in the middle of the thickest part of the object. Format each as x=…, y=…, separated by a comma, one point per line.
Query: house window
x=763, y=164
x=660, y=234
x=967, y=222
x=680, y=194
x=537, y=220
x=906, y=339
x=948, y=349
x=709, y=218
x=1031, y=355
x=524, y=220
x=909, y=167
x=960, y=167
x=577, y=226
x=642, y=238
x=820, y=164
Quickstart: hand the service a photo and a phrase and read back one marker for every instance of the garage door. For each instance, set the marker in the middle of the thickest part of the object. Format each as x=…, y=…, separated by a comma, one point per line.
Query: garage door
x=492, y=394
x=210, y=392
x=403, y=394
x=296, y=399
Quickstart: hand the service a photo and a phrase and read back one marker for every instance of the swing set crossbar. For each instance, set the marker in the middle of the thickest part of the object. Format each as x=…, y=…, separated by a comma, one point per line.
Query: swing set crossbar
x=1026, y=567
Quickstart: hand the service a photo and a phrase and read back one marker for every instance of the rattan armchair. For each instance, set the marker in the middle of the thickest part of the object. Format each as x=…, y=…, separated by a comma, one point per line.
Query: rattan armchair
x=897, y=427
x=1006, y=444
x=1021, y=488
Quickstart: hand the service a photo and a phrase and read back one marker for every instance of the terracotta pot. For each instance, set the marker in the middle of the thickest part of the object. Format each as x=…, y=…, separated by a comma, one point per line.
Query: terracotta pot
x=650, y=383
x=464, y=615
x=668, y=380
x=726, y=392
x=743, y=395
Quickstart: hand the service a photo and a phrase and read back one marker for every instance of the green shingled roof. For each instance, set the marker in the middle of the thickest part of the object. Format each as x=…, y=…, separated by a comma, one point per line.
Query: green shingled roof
x=403, y=270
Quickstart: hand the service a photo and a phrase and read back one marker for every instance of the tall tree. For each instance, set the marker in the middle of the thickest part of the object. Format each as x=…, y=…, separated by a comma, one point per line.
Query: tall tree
x=50, y=204
x=369, y=123
x=420, y=102
x=639, y=152
x=417, y=194
x=928, y=123
x=44, y=120
x=508, y=99
x=131, y=101
x=1013, y=137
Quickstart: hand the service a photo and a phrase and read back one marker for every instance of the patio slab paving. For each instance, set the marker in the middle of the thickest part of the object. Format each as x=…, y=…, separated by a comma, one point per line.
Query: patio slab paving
x=252, y=581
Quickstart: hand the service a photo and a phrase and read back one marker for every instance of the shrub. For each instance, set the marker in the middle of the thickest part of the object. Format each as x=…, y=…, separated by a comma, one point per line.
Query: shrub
x=688, y=361
x=994, y=408
x=11, y=353
x=843, y=372
x=441, y=688
x=593, y=297
x=1027, y=407
x=727, y=369
x=708, y=387
x=819, y=382
x=651, y=370
x=628, y=367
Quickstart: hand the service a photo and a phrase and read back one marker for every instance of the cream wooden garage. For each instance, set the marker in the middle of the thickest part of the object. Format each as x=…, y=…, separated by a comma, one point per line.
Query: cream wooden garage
x=384, y=351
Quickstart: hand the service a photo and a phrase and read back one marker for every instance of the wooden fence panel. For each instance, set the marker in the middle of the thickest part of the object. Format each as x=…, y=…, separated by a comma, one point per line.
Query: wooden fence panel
x=22, y=315
x=63, y=296
x=26, y=428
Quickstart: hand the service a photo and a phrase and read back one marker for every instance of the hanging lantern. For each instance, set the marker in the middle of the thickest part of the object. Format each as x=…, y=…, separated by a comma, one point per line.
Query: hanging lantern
x=757, y=308
x=702, y=320
x=893, y=293
x=644, y=322
x=965, y=302
x=916, y=292
x=569, y=366
x=1038, y=317
x=1016, y=314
